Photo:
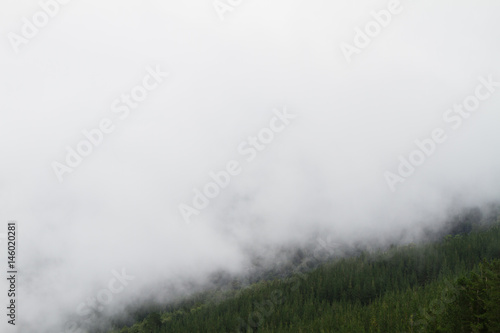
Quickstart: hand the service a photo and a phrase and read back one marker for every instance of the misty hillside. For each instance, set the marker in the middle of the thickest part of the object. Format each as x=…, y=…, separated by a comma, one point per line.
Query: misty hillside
x=416, y=288
x=166, y=165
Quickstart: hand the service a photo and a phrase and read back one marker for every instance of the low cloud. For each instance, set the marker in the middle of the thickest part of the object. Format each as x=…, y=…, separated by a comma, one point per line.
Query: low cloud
x=321, y=177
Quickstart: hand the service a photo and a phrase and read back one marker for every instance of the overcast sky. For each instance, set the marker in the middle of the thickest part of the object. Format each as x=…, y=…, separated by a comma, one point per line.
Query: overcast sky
x=311, y=118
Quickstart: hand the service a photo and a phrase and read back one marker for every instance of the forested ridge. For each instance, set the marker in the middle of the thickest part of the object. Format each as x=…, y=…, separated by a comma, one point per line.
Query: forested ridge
x=450, y=285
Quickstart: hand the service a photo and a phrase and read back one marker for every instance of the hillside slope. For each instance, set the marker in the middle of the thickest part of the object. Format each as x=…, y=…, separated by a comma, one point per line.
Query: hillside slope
x=436, y=287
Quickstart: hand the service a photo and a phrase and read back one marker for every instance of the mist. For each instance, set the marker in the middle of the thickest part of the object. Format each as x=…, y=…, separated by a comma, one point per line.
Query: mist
x=299, y=135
